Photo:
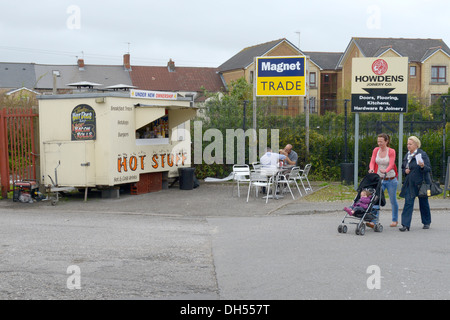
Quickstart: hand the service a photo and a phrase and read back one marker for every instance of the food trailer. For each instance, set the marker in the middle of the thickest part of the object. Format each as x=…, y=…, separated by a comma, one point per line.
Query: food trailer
x=104, y=140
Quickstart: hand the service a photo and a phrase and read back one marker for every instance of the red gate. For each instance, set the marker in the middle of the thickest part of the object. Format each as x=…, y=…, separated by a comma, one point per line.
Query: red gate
x=17, y=147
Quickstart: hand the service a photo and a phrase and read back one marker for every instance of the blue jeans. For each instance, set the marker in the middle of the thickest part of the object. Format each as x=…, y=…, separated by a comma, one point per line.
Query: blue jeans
x=375, y=213
x=391, y=186
x=424, y=207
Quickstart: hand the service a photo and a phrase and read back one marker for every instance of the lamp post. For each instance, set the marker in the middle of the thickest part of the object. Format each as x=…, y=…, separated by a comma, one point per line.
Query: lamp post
x=444, y=133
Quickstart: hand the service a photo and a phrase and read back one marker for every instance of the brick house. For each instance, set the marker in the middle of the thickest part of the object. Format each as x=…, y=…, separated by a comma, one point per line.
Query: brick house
x=187, y=81
x=17, y=82
x=324, y=84
x=242, y=65
x=47, y=78
x=429, y=63
x=64, y=78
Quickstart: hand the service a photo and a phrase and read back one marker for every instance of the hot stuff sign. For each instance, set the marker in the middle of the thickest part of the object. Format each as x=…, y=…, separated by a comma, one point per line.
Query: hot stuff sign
x=163, y=160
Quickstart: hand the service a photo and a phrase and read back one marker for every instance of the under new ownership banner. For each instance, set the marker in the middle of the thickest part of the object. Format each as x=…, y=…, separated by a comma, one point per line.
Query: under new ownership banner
x=280, y=76
x=380, y=84
x=144, y=94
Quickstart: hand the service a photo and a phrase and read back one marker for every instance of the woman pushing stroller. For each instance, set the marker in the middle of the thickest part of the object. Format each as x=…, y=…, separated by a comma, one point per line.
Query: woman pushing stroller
x=383, y=164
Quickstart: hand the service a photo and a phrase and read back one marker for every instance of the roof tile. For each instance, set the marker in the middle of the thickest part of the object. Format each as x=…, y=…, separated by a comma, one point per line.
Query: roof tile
x=182, y=79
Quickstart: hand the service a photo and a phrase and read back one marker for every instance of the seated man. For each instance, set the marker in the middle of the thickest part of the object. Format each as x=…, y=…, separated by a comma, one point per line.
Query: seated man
x=270, y=158
x=269, y=162
x=291, y=155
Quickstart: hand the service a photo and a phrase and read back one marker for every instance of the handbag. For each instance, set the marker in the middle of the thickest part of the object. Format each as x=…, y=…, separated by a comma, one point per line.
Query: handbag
x=429, y=189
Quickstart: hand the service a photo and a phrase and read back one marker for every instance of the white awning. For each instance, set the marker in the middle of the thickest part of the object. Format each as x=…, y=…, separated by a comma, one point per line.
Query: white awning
x=120, y=86
x=84, y=84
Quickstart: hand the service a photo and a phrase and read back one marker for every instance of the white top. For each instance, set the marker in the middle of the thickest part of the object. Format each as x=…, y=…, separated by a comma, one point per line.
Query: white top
x=271, y=159
x=383, y=163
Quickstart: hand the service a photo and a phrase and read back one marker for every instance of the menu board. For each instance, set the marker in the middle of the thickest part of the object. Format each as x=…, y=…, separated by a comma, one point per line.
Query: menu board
x=83, y=123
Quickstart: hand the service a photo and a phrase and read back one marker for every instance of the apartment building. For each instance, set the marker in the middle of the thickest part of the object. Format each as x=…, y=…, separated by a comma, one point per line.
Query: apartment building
x=329, y=73
x=428, y=62
x=242, y=65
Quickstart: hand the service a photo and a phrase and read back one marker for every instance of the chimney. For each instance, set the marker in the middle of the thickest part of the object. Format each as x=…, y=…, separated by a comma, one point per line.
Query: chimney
x=171, y=65
x=80, y=64
x=126, y=61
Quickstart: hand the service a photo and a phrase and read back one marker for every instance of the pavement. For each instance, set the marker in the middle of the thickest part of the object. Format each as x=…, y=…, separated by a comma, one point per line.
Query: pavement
x=210, y=244
x=215, y=199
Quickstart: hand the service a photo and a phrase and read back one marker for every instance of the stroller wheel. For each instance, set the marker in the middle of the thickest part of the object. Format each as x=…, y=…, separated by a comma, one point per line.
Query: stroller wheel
x=378, y=228
x=342, y=228
x=361, y=230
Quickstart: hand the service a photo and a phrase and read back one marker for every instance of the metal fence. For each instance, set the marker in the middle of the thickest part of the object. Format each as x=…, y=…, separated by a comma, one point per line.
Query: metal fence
x=330, y=130
x=17, y=146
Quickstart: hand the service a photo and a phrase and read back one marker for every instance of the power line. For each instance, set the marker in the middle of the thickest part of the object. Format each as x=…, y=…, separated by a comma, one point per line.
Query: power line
x=28, y=50
x=74, y=54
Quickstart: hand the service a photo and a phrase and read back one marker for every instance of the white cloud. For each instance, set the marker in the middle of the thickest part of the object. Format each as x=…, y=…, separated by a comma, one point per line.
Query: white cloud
x=200, y=32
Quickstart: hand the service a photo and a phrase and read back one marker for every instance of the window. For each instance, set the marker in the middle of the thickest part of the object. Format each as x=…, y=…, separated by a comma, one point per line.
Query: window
x=312, y=79
x=438, y=74
x=251, y=77
x=435, y=97
x=282, y=102
x=412, y=71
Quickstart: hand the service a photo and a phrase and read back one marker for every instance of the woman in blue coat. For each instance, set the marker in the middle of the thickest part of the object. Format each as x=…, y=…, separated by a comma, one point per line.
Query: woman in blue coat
x=415, y=172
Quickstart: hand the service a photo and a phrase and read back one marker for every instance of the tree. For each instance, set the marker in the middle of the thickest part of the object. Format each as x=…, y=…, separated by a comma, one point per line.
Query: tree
x=437, y=108
x=226, y=111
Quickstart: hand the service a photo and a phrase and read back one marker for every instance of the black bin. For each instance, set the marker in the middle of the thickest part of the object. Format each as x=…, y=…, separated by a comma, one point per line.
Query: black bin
x=347, y=173
x=186, y=178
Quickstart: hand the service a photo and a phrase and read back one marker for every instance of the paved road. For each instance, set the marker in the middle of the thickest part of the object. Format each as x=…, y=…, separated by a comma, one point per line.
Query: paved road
x=120, y=256
x=304, y=257
x=207, y=244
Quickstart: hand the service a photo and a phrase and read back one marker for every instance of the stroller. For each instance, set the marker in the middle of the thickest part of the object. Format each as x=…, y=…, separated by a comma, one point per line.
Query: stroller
x=372, y=182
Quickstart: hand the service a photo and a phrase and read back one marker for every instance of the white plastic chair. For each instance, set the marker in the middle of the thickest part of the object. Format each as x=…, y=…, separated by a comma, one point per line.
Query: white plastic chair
x=303, y=175
x=256, y=165
x=259, y=179
x=241, y=174
x=293, y=176
x=282, y=179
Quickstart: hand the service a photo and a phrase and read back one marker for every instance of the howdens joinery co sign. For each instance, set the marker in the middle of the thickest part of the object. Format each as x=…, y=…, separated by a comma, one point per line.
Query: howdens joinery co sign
x=380, y=84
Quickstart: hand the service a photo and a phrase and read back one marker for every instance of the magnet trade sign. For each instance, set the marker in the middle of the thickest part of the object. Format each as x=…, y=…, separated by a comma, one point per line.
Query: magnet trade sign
x=280, y=76
x=380, y=84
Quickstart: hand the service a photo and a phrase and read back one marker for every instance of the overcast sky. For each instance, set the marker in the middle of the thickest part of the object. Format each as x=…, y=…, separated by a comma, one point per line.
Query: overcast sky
x=202, y=33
